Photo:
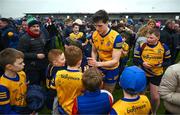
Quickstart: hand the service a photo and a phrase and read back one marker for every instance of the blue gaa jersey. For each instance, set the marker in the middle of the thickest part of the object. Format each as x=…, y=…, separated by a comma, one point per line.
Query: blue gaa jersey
x=154, y=55
x=99, y=102
x=12, y=93
x=137, y=106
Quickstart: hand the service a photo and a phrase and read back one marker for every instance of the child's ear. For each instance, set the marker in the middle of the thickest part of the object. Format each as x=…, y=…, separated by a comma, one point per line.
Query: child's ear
x=54, y=62
x=102, y=85
x=9, y=66
x=79, y=62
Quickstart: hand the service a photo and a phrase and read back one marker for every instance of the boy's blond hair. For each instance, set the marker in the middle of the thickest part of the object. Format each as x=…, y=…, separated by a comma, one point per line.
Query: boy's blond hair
x=53, y=54
x=73, y=55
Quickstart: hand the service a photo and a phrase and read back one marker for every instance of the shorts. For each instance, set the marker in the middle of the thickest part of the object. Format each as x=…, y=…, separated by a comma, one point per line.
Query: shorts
x=111, y=76
x=155, y=80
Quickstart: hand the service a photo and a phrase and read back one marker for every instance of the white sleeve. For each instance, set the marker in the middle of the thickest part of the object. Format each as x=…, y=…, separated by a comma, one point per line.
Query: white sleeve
x=105, y=91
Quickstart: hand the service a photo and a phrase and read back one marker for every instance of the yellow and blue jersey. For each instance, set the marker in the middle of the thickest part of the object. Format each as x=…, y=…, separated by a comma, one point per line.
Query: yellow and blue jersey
x=80, y=37
x=13, y=90
x=76, y=36
x=137, y=106
x=154, y=56
x=104, y=45
x=68, y=85
x=51, y=74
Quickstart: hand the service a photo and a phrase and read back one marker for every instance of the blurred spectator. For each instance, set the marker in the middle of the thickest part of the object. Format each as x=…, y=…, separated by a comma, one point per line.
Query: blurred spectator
x=139, y=25
x=166, y=36
x=8, y=35
x=32, y=44
x=151, y=24
x=170, y=89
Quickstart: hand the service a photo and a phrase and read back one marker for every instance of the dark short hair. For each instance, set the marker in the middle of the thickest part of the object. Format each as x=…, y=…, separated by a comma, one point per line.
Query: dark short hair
x=92, y=79
x=9, y=56
x=100, y=15
x=73, y=55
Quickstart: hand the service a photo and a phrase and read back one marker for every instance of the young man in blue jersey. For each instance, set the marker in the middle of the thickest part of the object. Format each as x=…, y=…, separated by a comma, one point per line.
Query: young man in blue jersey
x=13, y=85
x=106, y=49
x=94, y=100
x=133, y=82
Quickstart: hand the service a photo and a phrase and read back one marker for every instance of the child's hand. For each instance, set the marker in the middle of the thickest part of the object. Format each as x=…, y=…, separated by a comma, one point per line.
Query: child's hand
x=92, y=62
x=124, y=52
x=40, y=56
x=146, y=65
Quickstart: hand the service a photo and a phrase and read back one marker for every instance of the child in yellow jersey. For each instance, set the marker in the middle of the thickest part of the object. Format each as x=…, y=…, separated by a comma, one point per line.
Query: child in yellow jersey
x=132, y=81
x=78, y=36
x=13, y=86
x=68, y=83
x=78, y=39
x=153, y=56
x=56, y=62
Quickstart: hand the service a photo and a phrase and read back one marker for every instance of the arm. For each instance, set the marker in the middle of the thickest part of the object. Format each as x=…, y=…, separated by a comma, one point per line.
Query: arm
x=115, y=59
x=5, y=107
x=167, y=57
x=137, y=57
x=116, y=54
x=168, y=86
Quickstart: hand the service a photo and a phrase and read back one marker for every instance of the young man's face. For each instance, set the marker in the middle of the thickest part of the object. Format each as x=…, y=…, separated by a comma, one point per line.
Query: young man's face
x=35, y=29
x=101, y=27
x=18, y=65
x=59, y=61
x=152, y=39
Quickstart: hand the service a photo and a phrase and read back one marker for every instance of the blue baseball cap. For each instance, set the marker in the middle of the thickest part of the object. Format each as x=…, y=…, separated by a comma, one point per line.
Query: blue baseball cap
x=133, y=78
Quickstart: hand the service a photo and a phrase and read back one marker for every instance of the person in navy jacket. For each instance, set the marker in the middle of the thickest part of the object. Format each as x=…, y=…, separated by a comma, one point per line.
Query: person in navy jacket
x=94, y=100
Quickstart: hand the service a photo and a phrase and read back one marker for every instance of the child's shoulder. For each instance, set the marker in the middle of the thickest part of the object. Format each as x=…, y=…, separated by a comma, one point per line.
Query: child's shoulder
x=21, y=74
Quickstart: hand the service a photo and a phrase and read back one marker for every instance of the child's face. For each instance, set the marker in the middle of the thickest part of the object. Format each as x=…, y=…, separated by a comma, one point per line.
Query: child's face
x=18, y=65
x=60, y=60
x=151, y=25
x=152, y=39
x=76, y=29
